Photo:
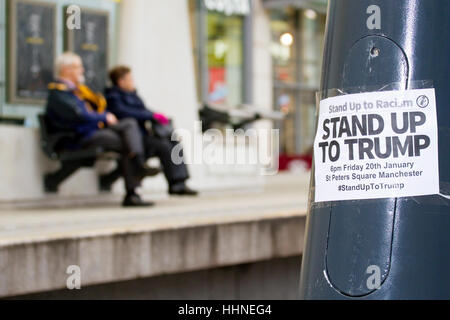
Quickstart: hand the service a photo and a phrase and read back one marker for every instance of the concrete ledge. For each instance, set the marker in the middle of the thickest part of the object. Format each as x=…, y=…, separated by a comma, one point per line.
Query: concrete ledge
x=23, y=165
x=37, y=267
x=277, y=279
x=111, y=244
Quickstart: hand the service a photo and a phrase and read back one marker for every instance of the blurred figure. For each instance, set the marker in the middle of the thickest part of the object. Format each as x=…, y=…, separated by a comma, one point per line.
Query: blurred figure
x=72, y=106
x=124, y=102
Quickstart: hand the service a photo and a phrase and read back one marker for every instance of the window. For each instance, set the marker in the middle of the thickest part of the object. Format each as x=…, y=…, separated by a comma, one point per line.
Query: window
x=225, y=58
x=218, y=43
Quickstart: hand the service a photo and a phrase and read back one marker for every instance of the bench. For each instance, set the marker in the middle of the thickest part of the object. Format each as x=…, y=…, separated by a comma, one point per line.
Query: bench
x=71, y=160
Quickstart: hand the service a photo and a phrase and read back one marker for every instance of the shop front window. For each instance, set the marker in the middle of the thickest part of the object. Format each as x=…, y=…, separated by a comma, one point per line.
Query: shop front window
x=224, y=58
x=218, y=44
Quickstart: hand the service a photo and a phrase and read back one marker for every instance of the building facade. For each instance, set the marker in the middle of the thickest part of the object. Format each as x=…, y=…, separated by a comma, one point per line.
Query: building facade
x=183, y=53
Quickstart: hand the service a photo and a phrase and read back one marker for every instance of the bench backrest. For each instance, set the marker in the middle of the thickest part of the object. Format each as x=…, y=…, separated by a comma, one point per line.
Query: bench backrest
x=46, y=144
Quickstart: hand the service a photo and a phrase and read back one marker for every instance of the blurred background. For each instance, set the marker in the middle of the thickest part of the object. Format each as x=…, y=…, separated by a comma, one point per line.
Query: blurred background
x=245, y=55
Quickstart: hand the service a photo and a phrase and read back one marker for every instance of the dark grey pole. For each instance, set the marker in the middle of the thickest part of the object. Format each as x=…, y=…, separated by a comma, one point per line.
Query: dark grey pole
x=407, y=238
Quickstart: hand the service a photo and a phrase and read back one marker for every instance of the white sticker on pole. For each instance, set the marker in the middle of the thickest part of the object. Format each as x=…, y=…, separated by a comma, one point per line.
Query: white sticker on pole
x=377, y=145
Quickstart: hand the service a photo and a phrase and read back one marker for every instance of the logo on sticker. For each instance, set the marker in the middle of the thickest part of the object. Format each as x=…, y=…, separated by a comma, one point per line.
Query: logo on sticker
x=423, y=101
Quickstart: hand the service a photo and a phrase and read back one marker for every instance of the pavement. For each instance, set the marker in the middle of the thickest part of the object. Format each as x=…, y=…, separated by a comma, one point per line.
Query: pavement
x=284, y=195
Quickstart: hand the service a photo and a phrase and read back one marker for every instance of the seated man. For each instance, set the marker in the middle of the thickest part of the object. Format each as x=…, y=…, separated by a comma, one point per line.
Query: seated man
x=72, y=106
x=124, y=102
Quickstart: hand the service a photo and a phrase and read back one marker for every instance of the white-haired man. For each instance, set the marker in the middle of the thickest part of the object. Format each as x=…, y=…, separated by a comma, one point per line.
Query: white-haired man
x=72, y=106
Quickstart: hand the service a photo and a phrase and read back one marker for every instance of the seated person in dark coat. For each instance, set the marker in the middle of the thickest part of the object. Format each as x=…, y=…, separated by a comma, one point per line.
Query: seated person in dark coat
x=72, y=106
x=124, y=102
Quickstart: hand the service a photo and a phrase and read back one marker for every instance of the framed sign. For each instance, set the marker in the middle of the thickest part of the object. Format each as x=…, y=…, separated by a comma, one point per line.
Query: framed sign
x=32, y=45
x=90, y=42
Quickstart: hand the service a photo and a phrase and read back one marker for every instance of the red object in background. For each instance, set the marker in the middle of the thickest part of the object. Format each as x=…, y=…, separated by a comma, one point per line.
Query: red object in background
x=284, y=161
x=217, y=83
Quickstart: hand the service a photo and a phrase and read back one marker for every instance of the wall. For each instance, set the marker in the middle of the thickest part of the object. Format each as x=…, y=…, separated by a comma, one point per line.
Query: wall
x=262, y=63
x=271, y=279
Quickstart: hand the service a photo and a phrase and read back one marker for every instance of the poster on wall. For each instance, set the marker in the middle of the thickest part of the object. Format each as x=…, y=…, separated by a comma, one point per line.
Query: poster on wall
x=32, y=44
x=90, y=42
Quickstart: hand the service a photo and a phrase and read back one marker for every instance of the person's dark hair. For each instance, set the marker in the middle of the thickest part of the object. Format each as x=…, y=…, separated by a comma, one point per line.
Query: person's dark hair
x=118, y=73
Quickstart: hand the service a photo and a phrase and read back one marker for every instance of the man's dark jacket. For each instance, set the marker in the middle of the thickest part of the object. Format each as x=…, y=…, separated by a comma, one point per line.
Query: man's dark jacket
x=70, y=109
